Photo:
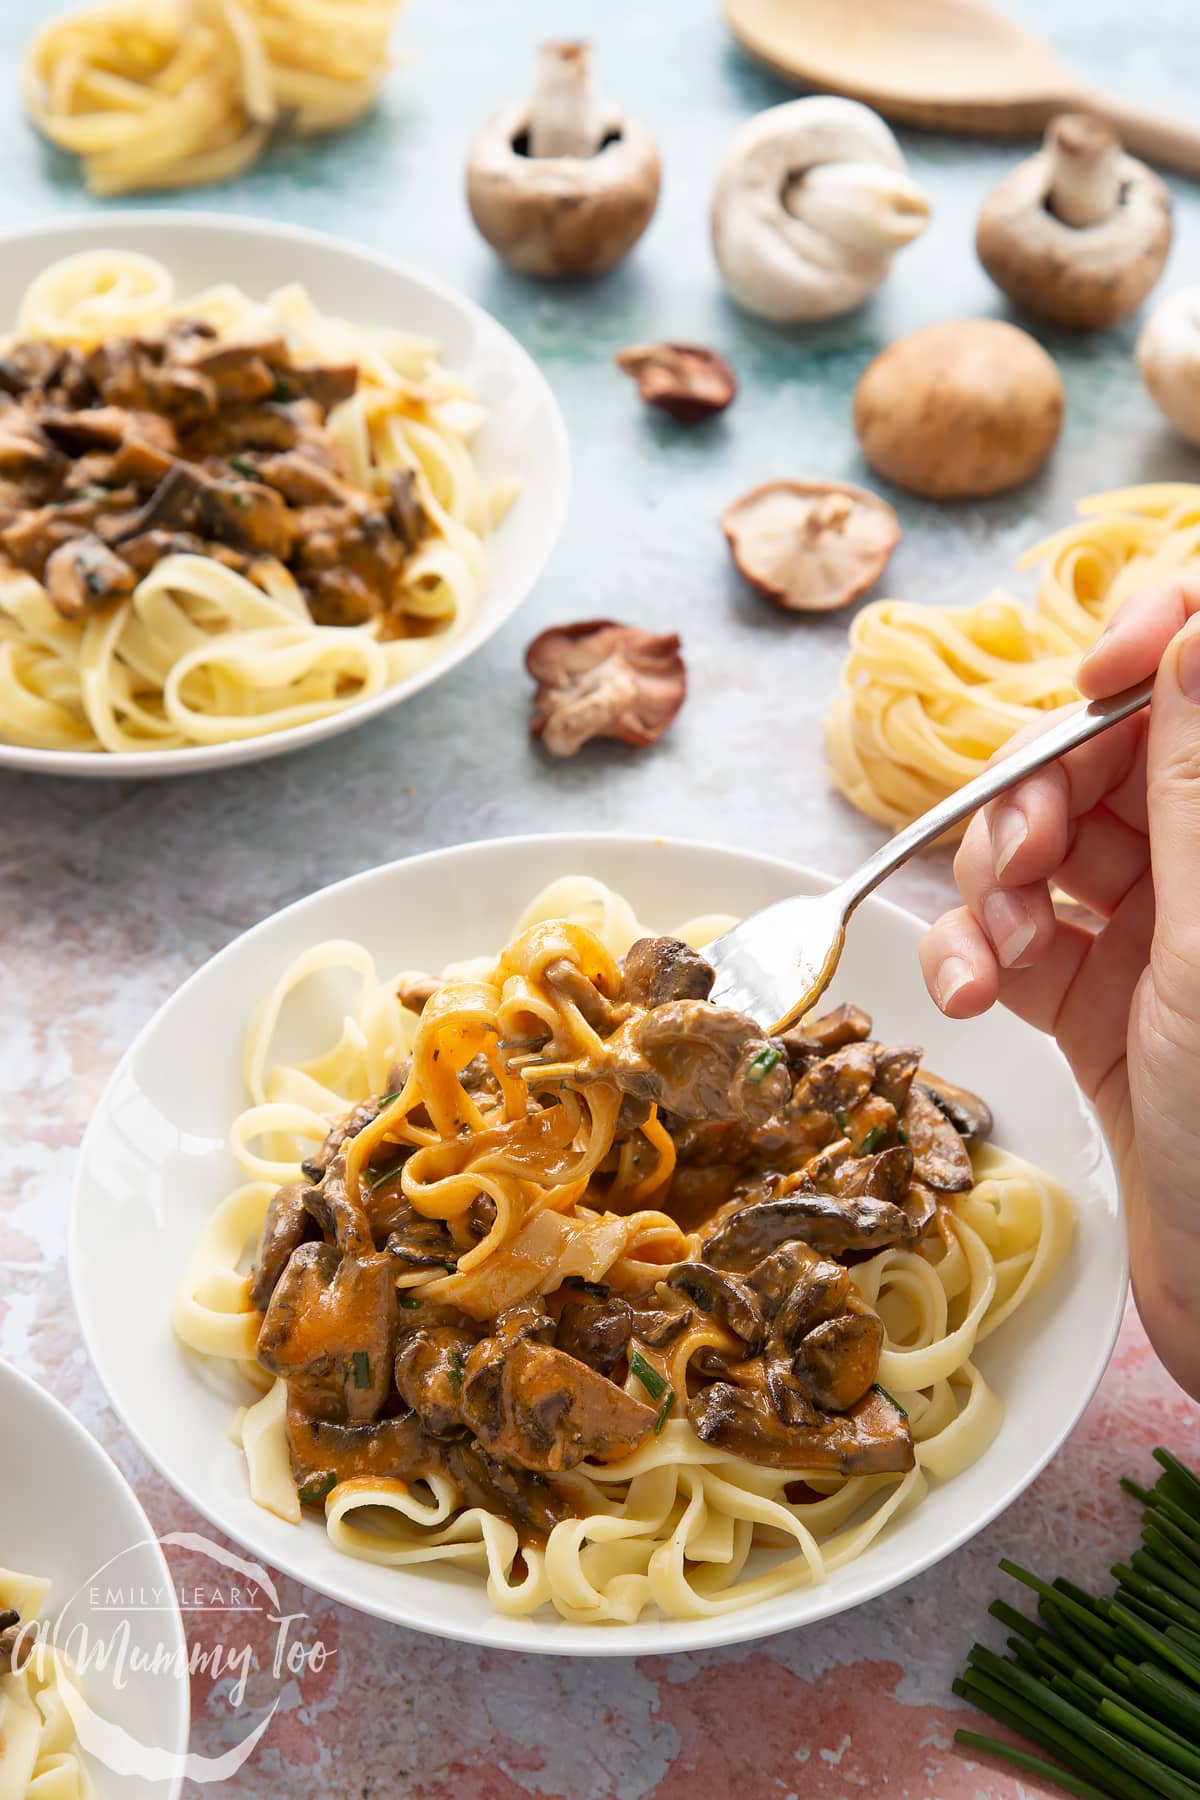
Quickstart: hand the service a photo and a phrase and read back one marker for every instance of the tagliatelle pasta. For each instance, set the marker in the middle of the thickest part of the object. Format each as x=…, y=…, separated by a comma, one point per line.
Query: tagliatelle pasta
x=928, y=694
x=201, y=652
x=174, y=93
x=680, y=1523
x=39, y=1756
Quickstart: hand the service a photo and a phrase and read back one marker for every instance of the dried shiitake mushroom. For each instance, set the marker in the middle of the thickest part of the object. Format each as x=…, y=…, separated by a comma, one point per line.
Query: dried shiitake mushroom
x=602, y=679
x=810, y=546
x=564, y=184
x=961, y=410
x=688, y=381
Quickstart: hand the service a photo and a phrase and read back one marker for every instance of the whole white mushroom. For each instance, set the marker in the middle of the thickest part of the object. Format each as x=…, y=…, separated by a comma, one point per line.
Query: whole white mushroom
x=812, y=201
x=1168, y=360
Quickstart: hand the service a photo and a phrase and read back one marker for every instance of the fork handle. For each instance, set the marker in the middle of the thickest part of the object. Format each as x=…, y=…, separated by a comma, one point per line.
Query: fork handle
x=1076, y=727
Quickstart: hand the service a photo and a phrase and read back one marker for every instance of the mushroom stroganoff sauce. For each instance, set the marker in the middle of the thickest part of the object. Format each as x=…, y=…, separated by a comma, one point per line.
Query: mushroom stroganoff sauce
x=551, y=1269
x=221, y=517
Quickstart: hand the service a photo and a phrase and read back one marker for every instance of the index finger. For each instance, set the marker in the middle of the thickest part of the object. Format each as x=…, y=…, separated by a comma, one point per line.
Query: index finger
x=1132, y=644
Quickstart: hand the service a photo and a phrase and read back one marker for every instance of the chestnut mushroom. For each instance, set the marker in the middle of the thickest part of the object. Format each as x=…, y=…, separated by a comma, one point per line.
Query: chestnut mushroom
x=602, y=679
x=563, y=184
x=1080, y=232
x=810, y=546
x=961, y=410
x=686, y=380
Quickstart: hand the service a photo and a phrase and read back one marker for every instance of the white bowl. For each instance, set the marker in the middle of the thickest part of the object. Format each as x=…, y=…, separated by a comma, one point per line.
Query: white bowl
x=524, y=435
x=155, y=1163
x=67, y=1513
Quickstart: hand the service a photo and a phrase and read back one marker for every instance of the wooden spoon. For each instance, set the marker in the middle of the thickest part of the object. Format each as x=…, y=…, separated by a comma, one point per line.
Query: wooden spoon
x=950, y=65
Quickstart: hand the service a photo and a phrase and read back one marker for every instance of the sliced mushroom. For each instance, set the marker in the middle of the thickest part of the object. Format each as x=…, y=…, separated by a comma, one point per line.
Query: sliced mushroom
x=810, y=546
x=416, y=991
x=1080, y=232
x=430, y=1365
x=287, y=1224
x=940, y=1157
x=529, y=1500
x=836, y=1362
x=720, y=1296
x=699, y=1062
x=602, y=679
x=564, y=184
x=871, y=1439
x=535, y=1406
x=970, y=1116
x=827, y=1223
x=572, y=984
x=350, y=1375
x=658, y=969
x=595, y=1332
x=812, y=201
x=686, y=380
x=339, y=1135
x=846, y=1024
x=84, y=576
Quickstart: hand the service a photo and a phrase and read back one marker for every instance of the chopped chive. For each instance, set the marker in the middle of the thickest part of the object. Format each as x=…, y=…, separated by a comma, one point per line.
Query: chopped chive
x=664, y=1410
x=361, y=1369
x=386, y=1099
x=243, y=468
x=872, y=1140
x=407, y=1300
x=878, y=1388
x=760, y=1066
x=283, y=390
x=597, y=1289
x=316, y=1487
x=654, y=1383
x=388, y=1175
x=839, y=1113
x=457, y=1370
x=902, y=1134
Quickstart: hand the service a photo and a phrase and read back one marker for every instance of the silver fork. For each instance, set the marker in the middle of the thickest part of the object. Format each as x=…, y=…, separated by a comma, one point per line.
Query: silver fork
x=776, y=963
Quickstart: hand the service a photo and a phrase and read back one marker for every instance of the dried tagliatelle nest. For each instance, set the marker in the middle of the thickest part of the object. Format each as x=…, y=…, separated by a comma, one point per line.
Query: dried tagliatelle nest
x=928, y=694
x=172, y=93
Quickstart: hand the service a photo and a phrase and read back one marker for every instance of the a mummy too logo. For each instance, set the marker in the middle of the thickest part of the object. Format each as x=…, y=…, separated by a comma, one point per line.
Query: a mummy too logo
x=117, y=1633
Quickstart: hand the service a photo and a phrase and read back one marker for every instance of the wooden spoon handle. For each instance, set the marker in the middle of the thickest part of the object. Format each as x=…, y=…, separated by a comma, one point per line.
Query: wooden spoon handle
x=1145, y=132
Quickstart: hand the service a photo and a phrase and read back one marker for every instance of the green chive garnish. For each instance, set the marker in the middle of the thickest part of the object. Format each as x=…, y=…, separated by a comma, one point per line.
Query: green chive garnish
x=873, y=1138
x=654, y=1383
x=878, y=1388
x=664, y=1410
x=760, y=1066
x=840, y=1115
x=407, y=1300
x=317, y=1487
x=597, y=1289
x=360, y=1370
x=457, y=1368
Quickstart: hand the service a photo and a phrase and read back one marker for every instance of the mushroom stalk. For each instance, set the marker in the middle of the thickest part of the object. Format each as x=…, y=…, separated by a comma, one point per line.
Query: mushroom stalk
x=565, y=115
x=1085, y=169
x=862, y=206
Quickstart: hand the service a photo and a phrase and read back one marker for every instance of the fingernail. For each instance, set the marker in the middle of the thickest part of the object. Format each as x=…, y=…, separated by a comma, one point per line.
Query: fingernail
x=953, y=974
x=1010, y=828
x=1189, y=667
x=1009, y=926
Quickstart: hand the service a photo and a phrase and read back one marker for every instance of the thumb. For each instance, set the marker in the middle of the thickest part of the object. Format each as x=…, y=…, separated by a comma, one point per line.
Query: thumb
x=1173, y=800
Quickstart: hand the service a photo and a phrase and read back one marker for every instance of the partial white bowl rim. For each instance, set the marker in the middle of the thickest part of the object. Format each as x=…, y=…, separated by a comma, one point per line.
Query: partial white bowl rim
x=194, y=759
x=670, y=1635
x=66, y=1421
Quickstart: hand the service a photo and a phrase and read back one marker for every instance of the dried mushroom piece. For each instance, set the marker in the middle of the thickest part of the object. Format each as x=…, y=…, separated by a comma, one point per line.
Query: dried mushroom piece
x=688, y=381
x=602, y=679
x=810, y=546
x=564, y=184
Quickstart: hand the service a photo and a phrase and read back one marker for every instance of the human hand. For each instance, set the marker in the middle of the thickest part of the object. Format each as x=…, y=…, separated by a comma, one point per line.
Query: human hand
x=1116, y=825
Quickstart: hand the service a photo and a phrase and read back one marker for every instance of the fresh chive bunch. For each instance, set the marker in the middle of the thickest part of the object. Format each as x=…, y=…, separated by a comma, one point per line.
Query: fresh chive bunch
x=1108, y=1686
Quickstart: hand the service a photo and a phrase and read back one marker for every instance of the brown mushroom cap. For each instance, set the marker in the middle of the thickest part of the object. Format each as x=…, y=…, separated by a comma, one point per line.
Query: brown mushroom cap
x=959, y=410
x=563, y=184
x=689, y=381
x=1080, y=232
x=602, y=679
x=810, y=546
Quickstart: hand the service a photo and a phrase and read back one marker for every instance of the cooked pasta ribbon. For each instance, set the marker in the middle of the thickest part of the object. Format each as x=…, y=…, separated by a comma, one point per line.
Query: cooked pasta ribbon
x=679, y=1524
x=40, y=1758
x=928, y=694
